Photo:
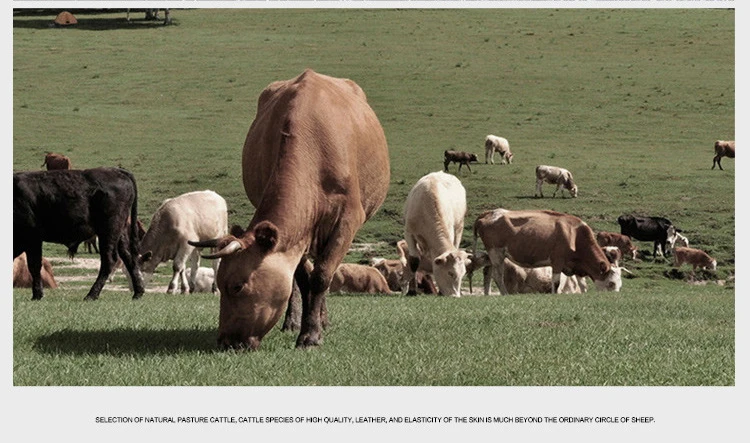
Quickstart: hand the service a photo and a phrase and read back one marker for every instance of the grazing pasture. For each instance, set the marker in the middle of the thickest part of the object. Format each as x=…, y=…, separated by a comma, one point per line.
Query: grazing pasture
x=614, y=95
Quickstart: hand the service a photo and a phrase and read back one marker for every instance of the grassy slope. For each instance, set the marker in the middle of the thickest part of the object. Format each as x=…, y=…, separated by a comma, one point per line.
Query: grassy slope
x=629, y=100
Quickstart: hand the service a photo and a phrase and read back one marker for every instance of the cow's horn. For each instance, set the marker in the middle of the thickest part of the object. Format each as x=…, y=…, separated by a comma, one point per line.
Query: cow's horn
x=229, y=249
x=622, y=268
x=205, y=243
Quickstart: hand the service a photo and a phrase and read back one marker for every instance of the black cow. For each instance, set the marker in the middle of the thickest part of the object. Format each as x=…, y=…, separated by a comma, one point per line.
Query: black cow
x=646, y=229
x=71, y=206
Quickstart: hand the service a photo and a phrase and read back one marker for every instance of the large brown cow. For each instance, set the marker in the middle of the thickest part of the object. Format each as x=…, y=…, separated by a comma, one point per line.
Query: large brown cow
x=722, y=148
x=22, y=277
x=544, y=238
x=315, y=166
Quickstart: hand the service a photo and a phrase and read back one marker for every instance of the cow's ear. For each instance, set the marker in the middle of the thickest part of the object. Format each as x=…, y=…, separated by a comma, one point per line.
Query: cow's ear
x=440, y=260
x=266, y=235
x=146, y=256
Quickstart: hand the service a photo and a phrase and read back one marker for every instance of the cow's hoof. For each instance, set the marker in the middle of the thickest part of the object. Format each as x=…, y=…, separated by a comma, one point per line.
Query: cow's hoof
x=305, y=341
x=138, y=296
x=90, y=298
x=35, y=297
x=290, y=326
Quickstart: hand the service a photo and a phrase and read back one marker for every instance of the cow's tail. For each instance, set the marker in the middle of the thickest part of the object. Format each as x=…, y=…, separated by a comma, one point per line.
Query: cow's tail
x=135, y=241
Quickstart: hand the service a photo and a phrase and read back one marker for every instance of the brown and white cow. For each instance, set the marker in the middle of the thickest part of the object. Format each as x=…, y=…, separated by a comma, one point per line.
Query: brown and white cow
x=22, y=276
x=460, y=157
x=622, y=242
x=544, y=238
x=434, y=222
x=556, y=176
x=56, y=161
x=352, y=277
x=722, y=148
x=675, y=239
x=695, y=257
x=315, y=165
x=613, y=254
x=198, y=215
x=492, y=144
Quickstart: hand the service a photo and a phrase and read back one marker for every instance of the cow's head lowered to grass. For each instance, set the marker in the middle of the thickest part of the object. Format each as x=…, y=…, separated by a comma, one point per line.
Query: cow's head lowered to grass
x=255, y=282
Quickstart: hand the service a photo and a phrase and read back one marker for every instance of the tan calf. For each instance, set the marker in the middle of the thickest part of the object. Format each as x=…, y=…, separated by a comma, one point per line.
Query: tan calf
x=351, y=277
x=695, y=257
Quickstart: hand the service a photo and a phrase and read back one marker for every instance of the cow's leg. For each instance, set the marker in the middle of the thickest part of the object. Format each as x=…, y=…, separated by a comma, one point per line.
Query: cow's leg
x=486, y=156
x=215, y=265
x=487, y=279
x=445, y=165
x=468, y=167
x=497, y=260
x=129, y=260
x=34, y=263
x=108, y=256
x=559, y=185
x=178, y=270
x=658, y=249
x=194, y=260
x=556, y=282
x=175, y=278
x=314, y=314
x=409, y=277
x=538, y=192
x=294, y=306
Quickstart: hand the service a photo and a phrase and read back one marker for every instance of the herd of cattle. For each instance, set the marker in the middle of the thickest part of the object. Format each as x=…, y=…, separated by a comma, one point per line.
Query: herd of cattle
x=315, y=165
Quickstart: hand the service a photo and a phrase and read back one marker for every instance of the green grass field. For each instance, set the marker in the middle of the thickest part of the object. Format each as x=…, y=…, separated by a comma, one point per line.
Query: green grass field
x=630, y=101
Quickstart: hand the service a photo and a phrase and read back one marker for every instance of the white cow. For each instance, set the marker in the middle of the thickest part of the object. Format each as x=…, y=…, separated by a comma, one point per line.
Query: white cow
x=195, y=215
x=556, y=176
x=492, y=144
x=434, y=222
x=204, y=279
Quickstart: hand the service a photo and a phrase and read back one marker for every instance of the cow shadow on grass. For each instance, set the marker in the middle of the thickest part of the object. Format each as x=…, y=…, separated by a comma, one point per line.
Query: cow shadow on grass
x=124, y=342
